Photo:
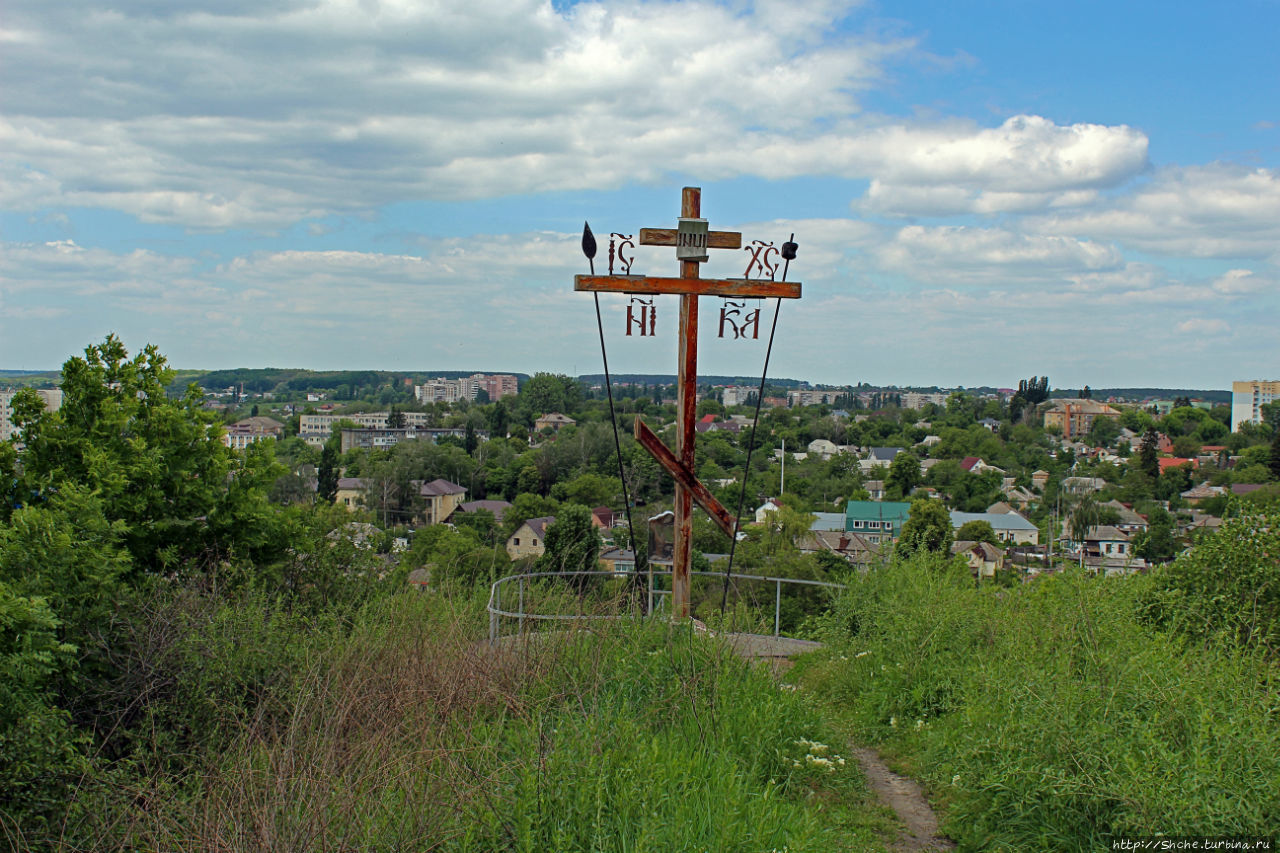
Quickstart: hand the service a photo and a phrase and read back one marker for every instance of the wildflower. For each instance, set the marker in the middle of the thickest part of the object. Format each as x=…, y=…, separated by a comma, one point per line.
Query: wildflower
x=919, y=725
x=861, y=655
x=893, y=722
x=955, y=780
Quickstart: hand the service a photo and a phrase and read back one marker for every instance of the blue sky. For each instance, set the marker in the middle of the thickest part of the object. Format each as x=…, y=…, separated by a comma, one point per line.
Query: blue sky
x=981, y=192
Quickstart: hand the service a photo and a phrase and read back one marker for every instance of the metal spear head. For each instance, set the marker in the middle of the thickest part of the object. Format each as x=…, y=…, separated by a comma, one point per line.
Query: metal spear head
x=588, y=242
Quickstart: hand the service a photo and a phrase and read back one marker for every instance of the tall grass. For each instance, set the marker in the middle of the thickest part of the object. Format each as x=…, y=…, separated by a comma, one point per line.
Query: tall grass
x=1049, y=716
x=414, y=734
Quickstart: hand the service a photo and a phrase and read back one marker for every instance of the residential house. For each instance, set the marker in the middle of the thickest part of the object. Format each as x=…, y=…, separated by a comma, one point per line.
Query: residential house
x=878, y=522
x=1039, y=480
x=857, y=549
x=883, y=455
x=975, y=465
x=350, y=492
x=620, y=561
x=763, y=511
x=241, y=434
x=1167, y=462
x=1130, y=522
x=990, y=424
x=1083, y=485
x=498, y=508
x=603, y=518
x=1019, y=496
x=984, y=559
x=1196, y=494
x=824, y=448
x=875, y=488
x=530, y=539
x=553, y=421
x=1106, y=540
x=1010, y=527
x=440, y=498
x=828, y=521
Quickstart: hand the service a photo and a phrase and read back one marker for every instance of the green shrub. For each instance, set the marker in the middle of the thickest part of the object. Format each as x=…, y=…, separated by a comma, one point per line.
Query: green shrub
x=1048, y=716
x=1227, y=585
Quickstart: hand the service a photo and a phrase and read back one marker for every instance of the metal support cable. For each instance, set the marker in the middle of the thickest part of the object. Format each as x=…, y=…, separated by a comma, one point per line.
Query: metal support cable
x=617, y=443
x=751, y=446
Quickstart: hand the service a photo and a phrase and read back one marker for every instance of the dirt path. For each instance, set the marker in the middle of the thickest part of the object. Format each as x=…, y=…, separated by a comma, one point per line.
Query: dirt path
x=920, y=825
x=904, y=796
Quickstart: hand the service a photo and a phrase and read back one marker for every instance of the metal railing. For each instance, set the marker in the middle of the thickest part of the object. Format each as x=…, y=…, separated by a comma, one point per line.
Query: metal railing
x=521, y=581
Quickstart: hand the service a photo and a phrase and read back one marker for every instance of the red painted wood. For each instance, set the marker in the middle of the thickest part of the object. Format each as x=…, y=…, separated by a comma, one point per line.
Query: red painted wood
x=739, y=287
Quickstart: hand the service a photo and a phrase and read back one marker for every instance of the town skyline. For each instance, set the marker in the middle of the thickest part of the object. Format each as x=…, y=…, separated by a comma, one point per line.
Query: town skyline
x=977, y=193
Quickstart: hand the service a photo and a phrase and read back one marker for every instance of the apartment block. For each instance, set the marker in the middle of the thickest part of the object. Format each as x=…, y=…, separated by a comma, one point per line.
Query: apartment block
x=496, y=386
x=1248, y=398
x=52, y=400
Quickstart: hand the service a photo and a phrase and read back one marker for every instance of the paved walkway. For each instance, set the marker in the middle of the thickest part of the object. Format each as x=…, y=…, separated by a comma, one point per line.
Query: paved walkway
x=763, y=646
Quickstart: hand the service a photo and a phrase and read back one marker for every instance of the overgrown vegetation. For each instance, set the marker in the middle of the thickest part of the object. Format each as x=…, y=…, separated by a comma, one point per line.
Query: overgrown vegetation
x=409, y=734
x=1056, y=715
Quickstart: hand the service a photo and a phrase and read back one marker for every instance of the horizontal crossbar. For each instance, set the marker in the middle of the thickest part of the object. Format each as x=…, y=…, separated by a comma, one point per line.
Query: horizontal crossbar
x=740, y=287
x=667, y=237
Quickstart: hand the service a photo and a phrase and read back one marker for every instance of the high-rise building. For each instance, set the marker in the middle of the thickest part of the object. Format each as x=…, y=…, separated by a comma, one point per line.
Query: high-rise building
x=52, y=400
x=496, y=386
x=1248, y=398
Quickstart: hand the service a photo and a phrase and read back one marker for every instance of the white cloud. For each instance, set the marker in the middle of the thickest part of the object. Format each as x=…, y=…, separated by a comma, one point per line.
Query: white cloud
x=1203, y=325
x=1025, y=164
x=961, y=254
x=217, y=115
x=1214, y=211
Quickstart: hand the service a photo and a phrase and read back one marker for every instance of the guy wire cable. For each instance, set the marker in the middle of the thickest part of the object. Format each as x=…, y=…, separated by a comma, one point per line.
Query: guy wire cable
x=788, y=252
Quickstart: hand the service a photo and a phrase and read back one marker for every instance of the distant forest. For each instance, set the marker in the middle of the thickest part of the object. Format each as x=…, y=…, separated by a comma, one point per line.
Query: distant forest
x=1214, y=396
x=260, y=379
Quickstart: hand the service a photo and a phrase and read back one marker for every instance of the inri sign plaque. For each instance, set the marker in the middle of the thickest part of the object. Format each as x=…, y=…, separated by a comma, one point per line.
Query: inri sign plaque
x=691, y=240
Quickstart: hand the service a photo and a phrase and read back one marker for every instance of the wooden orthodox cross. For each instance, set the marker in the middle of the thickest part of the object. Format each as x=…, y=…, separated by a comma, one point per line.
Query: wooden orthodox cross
x=691, y=240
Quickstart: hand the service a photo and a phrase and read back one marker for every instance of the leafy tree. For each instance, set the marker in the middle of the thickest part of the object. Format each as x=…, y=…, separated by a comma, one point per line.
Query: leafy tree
x=590, y=490
x=546, y=393
x=1156, y=544
x=904, y=475
x=1082, y=516
x=572, y=545
x=928, y=528
x=1274, y=462
x=977, y=531
x=1086, y=393
x=40, y=753
x=327, y=475
x=481, y=522
x=1104, y=431
x=396, y=418
x=156, y=464
x=1149, y=454
x=524, y=507
x=1228, y=584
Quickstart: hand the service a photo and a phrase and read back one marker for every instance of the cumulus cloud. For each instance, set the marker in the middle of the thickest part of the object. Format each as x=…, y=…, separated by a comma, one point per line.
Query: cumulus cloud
x=215, y=115
x=961, y=254
x=1026, y=163
x=1215, y=211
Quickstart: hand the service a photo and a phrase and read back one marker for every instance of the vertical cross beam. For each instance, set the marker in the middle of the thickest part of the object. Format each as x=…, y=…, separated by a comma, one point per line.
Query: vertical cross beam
x=686, y=419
